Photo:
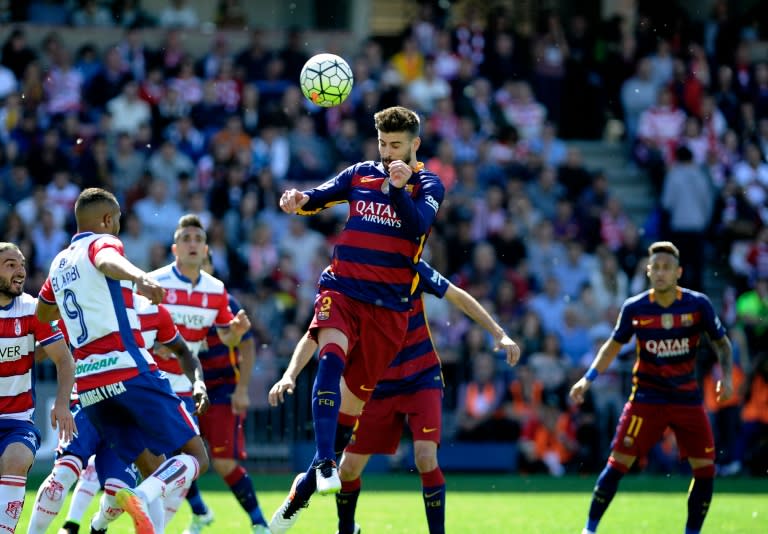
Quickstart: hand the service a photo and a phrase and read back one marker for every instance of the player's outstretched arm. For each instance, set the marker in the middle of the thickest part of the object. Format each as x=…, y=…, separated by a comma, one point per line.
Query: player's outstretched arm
x=61, y=416
x=240, y=399
x=303, y=352
x=475, y=311
x=608, y=351
x=116, y=266
x=724, y=351
x=193, y=370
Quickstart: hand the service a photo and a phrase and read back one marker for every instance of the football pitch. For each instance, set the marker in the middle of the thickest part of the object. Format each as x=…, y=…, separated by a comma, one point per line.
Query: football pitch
x=498, y=504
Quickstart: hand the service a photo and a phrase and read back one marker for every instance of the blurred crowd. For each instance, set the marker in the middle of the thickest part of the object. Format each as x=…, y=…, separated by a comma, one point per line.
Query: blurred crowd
x=528, y=227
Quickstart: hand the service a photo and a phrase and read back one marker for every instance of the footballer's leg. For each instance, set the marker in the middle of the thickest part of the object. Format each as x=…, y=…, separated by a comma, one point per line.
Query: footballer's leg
x=424, y=410
x=85, y=490
x=52, y=493
x=696, y=442
x=16, y=460
x=350, y=470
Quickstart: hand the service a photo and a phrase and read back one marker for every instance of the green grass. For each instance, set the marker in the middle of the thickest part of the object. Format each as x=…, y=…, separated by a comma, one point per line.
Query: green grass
x=490, y=504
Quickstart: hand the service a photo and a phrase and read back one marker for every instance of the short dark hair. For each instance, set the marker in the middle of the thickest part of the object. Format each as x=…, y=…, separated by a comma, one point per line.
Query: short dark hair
x=664, y=247
x=190, y=220
x=92, y=197
x=397, y=119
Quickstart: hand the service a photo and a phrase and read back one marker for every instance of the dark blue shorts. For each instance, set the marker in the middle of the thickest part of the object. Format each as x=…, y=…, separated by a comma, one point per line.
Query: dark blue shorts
x=87, y=443
x=16, y=431
x=145, y=414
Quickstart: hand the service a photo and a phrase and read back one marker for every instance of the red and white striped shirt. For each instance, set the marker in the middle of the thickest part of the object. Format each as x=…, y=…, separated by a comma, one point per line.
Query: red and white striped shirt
x=19, y=329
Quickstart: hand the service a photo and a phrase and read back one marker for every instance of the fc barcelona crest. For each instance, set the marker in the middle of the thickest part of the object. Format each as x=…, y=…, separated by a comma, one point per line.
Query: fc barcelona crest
x=686, y=319
x=667, y=320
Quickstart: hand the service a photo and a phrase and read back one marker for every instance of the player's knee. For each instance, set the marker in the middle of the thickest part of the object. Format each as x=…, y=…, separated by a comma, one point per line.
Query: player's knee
x=223, y=466
x=425, y=461
x=350, y=471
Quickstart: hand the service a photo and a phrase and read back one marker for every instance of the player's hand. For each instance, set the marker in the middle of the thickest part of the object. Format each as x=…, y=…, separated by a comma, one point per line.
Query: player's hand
x=579, y=389
x=399, y=173
x=724, y=389
x=200, y=395
x=161, y=351
x=240, y=401
x=506, y=344
x=151, y=289
x=240, y=324
x=62, y=418
x=277, y=394
x=292, y=199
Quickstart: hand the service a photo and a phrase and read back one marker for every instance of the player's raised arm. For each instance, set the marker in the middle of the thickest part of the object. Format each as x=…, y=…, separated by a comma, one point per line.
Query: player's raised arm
x=303, y=352
x=475, y=311
x=330, y=193
x=116, y=266
x=418, y=213
x=607, y=353
x=237, y=328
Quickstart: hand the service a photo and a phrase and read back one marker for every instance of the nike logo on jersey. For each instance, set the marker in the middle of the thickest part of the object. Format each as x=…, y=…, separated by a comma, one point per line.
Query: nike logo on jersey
x=367, y=179
x=707, y=450
x=427, y=430
x=366, y=388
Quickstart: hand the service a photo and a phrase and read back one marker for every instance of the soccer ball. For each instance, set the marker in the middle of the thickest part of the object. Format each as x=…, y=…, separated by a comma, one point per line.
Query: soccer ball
x=326, y=80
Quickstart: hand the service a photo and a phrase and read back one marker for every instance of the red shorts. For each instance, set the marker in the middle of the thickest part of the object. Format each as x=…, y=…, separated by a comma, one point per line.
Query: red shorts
x=375, y=336
x=223, y=430
x=642, y=425
x=381, y=425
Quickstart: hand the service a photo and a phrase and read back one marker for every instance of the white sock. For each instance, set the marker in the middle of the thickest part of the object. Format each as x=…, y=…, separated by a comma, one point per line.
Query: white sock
x=157, y=515
x=50, y=497
x=108, y=507
x=12, y=491
x=85, y=490
x=176, y=472
x=172, y=503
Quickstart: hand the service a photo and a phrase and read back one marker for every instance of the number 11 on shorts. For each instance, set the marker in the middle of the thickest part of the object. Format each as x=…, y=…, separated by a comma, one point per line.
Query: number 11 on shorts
x=635, y=423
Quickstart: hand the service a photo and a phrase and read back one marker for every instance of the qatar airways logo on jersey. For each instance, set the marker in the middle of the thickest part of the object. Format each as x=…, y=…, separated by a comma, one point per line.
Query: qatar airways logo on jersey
x=377, y=212
x=667, y=348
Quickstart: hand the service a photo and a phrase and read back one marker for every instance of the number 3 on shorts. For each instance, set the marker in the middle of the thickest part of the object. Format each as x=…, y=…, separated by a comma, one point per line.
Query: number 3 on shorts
x=634, y=426
x=324, y=313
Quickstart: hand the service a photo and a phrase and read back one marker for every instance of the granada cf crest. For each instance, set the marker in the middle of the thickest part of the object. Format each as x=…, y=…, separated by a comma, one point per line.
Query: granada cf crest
x=14, y=509
x=54, y=491
x=17, y=327
x=205, y=300
x=667, y=320
x=171, y=296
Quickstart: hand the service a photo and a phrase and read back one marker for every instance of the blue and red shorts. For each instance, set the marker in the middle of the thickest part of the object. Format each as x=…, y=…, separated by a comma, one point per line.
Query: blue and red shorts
x=642, y=425
x=380, y=426
x=375, y=336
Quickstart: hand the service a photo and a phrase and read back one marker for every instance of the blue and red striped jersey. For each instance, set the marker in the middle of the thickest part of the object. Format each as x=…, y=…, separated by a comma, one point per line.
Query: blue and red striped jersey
x=417, y=365
x=221, y=370
x=667, y=341
x=383, y=238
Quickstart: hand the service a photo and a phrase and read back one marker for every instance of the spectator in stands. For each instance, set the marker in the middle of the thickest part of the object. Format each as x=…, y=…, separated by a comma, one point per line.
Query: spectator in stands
x=478, y=412
x=167, y=164
x=638, y=94
x=428, y=88
x=48, y=239
x=688, y=198
x=8, y=82
x=16, y=53
x=130, y=14
x=178, y=15
x=574, y=272
x=752, y=314
x=751, y=445
x=158, y=210
x=63, y=86
x=108, y=83
x=127, y=110
x=608, y=281
x=91, y=13
x=752, y=175
x=548, y=441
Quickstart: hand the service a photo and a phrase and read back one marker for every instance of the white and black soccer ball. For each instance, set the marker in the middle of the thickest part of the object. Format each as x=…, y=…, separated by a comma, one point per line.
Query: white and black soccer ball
x=326, y=80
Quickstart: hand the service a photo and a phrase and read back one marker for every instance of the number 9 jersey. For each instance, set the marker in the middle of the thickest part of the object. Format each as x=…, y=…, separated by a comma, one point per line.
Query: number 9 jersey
x=98, y=311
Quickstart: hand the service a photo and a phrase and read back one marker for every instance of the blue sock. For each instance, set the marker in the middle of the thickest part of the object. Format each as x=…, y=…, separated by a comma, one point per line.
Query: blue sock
x=326, y=399
x=241, y=486
x=346, y=505
x=605, y=489
x=195, y=500
x=433, y=492
x=699, y=497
